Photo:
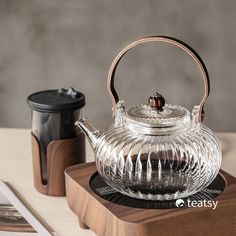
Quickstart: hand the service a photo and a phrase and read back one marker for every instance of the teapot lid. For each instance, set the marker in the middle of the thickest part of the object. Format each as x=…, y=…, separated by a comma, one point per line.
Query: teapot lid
x=157, y=114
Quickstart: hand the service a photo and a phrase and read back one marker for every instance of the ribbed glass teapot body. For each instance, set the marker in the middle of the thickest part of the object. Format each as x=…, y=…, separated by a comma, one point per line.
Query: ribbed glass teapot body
x=158, y=167
x=154, y=150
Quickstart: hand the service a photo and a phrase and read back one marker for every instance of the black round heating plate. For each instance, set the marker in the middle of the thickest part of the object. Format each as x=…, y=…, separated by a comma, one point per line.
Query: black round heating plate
x=104, y=191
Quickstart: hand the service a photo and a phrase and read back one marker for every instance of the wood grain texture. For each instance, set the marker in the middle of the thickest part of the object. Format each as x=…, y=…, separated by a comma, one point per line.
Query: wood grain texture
x=109, y=219
x=60, y=155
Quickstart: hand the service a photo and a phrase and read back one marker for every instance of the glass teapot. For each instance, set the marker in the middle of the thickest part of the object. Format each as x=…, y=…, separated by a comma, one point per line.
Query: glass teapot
x=155, y=151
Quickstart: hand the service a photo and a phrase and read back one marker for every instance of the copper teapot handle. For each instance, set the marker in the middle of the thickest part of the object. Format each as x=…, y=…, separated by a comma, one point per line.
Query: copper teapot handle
x=166, y=39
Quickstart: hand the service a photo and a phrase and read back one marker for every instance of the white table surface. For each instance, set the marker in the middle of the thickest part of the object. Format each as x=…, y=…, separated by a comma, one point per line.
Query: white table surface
x=16, y=168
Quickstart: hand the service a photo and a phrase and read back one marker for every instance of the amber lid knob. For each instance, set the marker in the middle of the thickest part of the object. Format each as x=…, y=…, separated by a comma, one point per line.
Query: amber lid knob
x=156, y=101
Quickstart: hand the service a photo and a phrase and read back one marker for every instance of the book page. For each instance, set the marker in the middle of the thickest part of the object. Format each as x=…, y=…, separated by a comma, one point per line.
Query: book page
x=16, y=218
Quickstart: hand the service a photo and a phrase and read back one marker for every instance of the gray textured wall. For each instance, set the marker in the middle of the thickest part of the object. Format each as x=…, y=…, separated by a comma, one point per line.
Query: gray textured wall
x=54, y=43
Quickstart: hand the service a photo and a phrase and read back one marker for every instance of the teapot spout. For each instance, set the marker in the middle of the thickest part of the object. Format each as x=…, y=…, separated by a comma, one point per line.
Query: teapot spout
x=90, y=131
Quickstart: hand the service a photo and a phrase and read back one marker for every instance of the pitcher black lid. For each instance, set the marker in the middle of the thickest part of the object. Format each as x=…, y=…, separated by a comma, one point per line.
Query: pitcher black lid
x=56, y=100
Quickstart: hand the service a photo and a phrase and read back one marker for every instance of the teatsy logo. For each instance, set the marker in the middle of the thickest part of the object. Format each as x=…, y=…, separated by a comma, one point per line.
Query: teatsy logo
x=196, y=203
x=179, y=202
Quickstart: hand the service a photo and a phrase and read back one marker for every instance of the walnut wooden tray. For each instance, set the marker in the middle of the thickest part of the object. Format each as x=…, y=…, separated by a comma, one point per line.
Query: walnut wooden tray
x=106, y=218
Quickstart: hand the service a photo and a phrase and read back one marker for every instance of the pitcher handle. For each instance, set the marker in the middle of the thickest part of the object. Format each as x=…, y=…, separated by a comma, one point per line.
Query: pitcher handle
x=198, y=109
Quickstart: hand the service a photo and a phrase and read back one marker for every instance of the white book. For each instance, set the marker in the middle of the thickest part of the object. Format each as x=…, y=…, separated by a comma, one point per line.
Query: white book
x=16, y=219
